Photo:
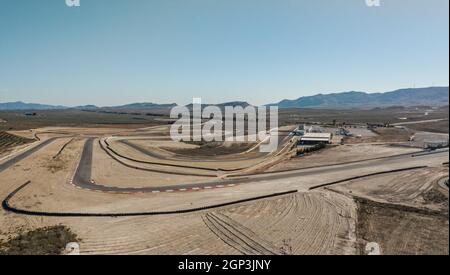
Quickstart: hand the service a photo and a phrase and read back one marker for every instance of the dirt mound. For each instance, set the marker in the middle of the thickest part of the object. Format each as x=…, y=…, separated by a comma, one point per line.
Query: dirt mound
x=212, y=149
x=8, y=141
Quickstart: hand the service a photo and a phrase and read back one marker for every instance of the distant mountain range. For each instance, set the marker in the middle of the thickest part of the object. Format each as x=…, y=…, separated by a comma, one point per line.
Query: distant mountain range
x=242, y=104
x=34, y=106
x=142, y=106
x=433, y=96
x=19, y=105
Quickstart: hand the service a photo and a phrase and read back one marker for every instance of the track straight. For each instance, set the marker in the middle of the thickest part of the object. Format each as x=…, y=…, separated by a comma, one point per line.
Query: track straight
x=7, y=164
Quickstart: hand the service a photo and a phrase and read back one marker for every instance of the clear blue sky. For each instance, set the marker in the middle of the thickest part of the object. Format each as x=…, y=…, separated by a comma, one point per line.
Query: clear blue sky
x=110, y=52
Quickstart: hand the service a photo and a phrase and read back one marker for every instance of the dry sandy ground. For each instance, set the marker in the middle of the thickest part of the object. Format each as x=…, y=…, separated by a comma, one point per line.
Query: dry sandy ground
x=440, y=126
x=24, y=133
x=320, y=222
x=294, y=224
x=178, y=234
x=5, y=152
x=235, y=161
x=108, y=172
x=305, y=223
x=344, y=153
x=14, y=150
x=400, y=232
x=382, y=135
x=406, y=188
x=395, y=211
x=101, y=131
x=363, y=132
x=420, y=138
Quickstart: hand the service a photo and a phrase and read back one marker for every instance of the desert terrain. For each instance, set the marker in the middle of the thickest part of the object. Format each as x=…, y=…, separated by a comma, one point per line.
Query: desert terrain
x=122, y=186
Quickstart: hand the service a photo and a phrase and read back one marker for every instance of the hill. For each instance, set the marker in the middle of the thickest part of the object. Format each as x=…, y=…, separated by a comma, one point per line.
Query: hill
x=19, y=105
x=433, y=96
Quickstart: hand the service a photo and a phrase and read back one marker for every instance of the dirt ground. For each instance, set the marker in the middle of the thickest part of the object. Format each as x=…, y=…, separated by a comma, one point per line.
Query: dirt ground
x=437, y=127
x=8, y=141
x=412, y=188
x=214, y=149
x=324, y=221
x=163, y=156
x=345, y=153
x=382, y=135
x=272, y=223
x=404, y=213
x=400, y=232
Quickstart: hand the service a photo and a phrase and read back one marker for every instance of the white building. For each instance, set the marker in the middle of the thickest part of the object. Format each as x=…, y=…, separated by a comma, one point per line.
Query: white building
x=315, y=138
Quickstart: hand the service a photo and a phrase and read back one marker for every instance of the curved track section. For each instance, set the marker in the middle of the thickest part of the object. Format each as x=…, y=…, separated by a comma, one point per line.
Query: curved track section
x=158, y=163
x=148, y=153
x=113, y=153
x=82, y=177
x=182, y=157
x=7, y=207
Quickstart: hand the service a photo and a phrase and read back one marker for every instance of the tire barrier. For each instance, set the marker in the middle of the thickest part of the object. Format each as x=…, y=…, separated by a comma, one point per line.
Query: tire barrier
x=330, y=165
x=7, y=207
x=198, y=186
x=82, y=178
x=367, y=175
x=168, y=164
x=62, y=148
x=108, y=151
x=148, y=153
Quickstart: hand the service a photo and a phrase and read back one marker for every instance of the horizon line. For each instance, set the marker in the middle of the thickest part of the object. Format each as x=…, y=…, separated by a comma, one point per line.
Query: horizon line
x=241, y=101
